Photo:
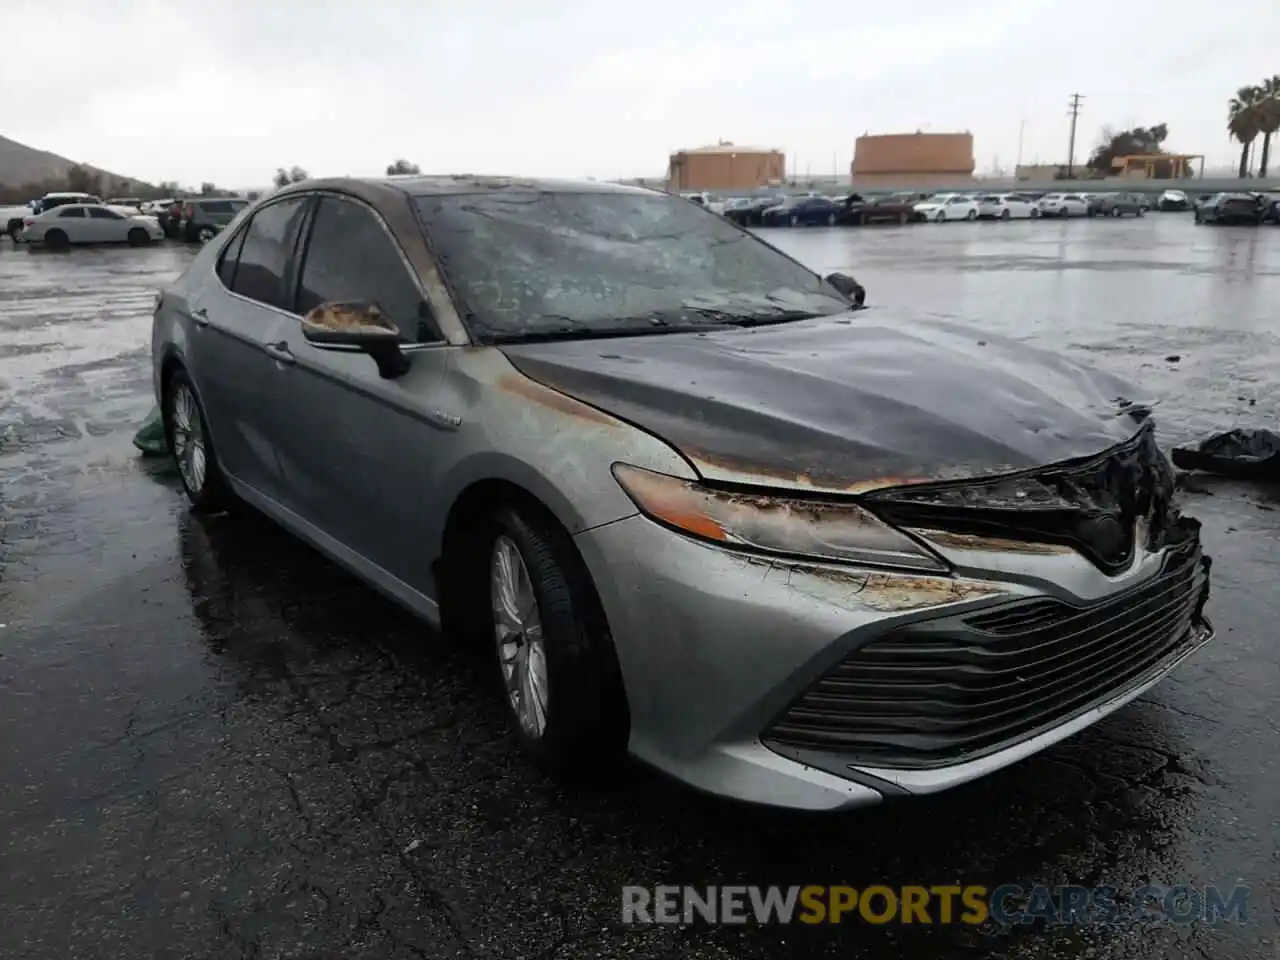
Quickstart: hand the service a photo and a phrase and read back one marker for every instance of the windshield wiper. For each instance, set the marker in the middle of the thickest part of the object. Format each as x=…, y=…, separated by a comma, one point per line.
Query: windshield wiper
x=592, y=333
x=753, y=318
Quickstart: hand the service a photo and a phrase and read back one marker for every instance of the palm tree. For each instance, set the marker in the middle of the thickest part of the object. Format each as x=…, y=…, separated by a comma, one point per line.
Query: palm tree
x=1242, y=122
x=1268, y=118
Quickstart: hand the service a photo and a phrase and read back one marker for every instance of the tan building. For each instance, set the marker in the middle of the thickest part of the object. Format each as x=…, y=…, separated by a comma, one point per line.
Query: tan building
x=725, y=167
x=912, y=158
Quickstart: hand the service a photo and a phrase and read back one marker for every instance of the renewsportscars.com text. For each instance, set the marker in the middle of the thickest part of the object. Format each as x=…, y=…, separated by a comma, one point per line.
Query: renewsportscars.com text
x=1006, y=905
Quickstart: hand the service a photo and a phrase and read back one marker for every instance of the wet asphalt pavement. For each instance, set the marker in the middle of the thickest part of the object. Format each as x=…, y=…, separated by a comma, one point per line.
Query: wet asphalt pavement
x=215, y=744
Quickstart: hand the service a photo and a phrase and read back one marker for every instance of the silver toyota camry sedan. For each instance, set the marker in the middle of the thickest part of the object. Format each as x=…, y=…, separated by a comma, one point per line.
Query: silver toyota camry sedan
x=701, y=504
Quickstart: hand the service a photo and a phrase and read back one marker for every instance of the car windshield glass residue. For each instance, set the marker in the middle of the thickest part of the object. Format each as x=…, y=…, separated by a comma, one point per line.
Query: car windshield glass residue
x=529, y=264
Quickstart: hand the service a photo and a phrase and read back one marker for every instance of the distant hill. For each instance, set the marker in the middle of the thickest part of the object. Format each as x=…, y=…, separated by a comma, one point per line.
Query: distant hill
x=21, y=164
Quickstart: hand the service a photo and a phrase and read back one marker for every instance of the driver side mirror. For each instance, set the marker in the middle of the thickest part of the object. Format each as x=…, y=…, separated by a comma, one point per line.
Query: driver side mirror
x=848, y=287
x=359, y=325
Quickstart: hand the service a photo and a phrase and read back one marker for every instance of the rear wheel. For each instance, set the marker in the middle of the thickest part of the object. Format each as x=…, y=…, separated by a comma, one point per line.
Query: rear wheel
x=902, y=218
x=139, y=237
x=1035, y=213
x=56, y=240
x=831, y=219
x=186, y=430
x=1117, y=212
x=795, y=221
x=205, y=234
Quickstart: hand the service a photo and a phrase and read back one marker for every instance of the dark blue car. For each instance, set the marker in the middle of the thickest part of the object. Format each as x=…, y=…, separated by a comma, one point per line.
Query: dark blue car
x=802, y=212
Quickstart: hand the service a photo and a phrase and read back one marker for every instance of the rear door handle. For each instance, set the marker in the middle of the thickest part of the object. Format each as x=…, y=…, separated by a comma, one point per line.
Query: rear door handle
x=280, y=353
x=201, y=316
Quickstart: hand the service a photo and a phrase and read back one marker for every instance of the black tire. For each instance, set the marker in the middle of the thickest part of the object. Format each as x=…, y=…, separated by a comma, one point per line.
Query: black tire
x=139, y=237
x=1035, y=213
x=586, y=726
x=902, y=219
x=1141, y=212
x=971, y=215
x=1005, y=214
x=1117, y=212
x=941, y=217
x=795, y=221
x=13, y=229
x=56, y=240
x=211, y=493
x=205, y=234
x=831, y=219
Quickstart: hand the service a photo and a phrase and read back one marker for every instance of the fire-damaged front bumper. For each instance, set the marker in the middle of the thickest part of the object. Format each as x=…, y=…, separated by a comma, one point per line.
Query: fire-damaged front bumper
x=821, y=686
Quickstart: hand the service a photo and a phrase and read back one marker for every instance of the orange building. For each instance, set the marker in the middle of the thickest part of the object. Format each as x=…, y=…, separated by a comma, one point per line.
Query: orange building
x=725, y=167
x=912, y=158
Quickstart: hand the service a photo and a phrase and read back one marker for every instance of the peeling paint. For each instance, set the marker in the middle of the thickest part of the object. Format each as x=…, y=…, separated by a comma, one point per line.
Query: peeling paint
x=881, y=592
x=965, y=541
x=531, y=390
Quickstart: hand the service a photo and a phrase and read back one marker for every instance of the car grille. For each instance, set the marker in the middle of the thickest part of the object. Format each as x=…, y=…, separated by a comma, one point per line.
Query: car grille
x=943, y=692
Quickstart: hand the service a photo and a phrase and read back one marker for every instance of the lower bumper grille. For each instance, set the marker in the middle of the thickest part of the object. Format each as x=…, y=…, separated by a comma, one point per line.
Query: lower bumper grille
x=943, y=692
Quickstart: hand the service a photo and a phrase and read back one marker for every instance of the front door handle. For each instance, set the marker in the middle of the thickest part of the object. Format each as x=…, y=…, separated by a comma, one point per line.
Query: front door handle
x=201, y=316
x=280, y=353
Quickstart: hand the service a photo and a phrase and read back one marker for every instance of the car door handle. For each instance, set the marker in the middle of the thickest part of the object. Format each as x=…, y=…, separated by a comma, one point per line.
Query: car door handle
x=201, y=316
x=280, y=353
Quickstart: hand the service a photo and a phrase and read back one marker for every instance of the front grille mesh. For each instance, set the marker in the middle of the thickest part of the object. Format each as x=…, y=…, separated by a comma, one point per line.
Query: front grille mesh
x=948, y=691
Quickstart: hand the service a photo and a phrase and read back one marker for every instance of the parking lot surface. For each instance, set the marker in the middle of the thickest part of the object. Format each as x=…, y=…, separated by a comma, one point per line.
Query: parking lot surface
x=215, y=744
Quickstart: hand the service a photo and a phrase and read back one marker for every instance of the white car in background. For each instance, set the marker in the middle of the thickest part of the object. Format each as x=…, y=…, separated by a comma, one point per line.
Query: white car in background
x=89, y=223
x=948, y=206
x=1064, y=205
x=1007, y=206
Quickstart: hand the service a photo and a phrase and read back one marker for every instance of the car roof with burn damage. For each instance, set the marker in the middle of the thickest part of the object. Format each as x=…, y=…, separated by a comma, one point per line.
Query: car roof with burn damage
x=374, y=189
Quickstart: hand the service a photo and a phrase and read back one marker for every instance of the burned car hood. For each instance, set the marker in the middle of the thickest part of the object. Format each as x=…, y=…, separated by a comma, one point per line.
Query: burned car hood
x=847, y=403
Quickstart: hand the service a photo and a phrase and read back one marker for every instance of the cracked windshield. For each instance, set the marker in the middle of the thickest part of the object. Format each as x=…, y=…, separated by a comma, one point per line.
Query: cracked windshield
x=752, y=481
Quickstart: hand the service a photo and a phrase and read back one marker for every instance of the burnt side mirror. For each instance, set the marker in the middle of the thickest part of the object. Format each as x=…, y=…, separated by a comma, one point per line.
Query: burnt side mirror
x=848, y=287
x=359, y=325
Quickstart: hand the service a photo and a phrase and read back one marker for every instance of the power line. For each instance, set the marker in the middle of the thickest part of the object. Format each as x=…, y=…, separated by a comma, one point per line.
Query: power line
x=1073, y=111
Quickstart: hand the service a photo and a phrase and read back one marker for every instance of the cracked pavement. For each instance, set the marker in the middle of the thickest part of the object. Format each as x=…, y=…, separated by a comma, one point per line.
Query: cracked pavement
x=218, y=745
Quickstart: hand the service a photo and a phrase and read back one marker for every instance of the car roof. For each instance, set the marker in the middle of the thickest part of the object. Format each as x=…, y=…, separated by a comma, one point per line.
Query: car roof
x=374, y=189
x=68, y=194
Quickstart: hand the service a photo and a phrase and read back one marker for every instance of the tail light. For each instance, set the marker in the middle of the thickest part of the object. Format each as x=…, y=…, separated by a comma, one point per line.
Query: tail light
x=189, y=211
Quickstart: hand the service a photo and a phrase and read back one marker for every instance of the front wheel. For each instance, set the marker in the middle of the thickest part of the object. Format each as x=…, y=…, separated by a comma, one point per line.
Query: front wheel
x=1035, y=214
x=971, y=215
x=1005, y=214
x=940, y=217
x=139, y=237
x=187, y=433
x=831, y=219
x=205, y=234
x=552, y=645
x=1117, y=212
x=795, y=221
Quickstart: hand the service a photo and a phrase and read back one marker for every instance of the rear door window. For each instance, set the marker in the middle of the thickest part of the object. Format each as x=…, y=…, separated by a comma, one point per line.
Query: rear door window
x=267, y=251
x=351, y=258
x=102, y=213
x=72, y=212
x=230, y=257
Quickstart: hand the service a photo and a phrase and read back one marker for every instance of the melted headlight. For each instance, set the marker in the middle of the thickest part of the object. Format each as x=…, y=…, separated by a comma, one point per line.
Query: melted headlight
x=820, y=529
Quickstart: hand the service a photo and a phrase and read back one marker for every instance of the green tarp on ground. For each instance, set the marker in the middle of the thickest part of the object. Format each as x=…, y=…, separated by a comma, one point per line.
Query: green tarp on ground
x=150, y=438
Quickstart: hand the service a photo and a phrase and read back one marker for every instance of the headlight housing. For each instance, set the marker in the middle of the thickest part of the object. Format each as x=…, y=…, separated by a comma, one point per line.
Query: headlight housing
x=817, y=529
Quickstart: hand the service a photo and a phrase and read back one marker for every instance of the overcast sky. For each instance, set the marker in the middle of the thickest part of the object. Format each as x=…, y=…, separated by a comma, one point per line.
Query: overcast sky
x=228, y=90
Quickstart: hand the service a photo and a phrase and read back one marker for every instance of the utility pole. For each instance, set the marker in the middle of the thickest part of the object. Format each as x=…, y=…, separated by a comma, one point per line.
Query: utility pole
x=1022, y=128
x=1074, y=112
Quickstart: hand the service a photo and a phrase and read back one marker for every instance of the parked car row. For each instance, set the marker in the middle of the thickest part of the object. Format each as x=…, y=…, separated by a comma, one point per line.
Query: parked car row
x=907, y=207
x=63, y=219
x=1238, y=209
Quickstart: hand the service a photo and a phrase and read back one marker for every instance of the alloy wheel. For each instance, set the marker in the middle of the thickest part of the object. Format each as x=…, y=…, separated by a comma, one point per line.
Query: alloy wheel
x=517, y=626
x=189, y=447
